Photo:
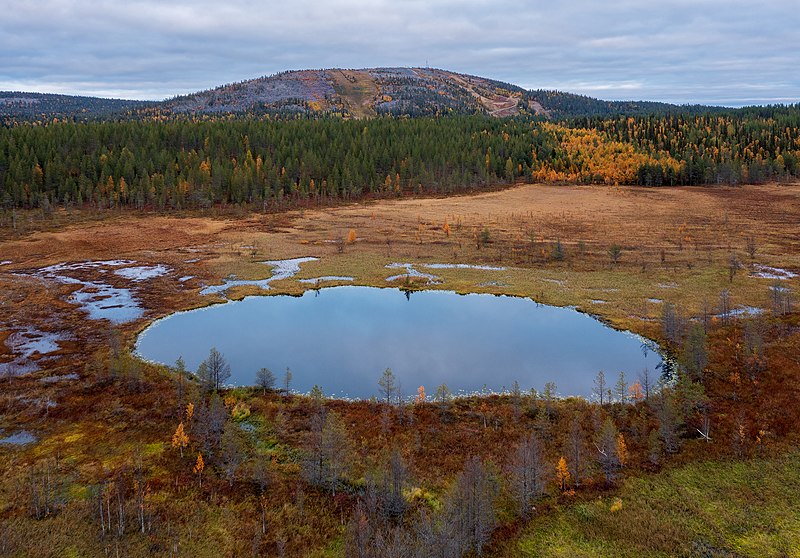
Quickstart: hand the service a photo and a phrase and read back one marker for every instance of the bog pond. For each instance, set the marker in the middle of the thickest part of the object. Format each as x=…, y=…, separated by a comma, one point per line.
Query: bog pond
x=343, y=338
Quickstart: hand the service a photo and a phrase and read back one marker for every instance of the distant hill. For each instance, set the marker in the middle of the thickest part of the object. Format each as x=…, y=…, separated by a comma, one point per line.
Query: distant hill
x=359, y=93
x=49, y=105
x=354, y=93
x=568, y=105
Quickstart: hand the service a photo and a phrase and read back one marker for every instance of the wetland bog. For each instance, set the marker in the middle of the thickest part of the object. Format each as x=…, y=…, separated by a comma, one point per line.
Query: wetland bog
x=87, y=409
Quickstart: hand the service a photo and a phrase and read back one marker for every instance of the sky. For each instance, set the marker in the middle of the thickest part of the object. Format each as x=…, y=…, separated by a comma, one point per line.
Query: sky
x=727, y=52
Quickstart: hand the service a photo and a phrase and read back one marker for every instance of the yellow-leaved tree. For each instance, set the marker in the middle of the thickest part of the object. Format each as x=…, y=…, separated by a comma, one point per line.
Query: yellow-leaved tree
x=622, y=450
x=562, y=474
x=198, y=468
x=180, y=440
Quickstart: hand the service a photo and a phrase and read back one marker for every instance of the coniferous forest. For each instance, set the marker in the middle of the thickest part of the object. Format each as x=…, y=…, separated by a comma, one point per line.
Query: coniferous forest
x=280, y=160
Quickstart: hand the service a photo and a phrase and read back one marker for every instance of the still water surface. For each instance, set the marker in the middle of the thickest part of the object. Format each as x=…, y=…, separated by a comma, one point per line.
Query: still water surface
x=343, y=338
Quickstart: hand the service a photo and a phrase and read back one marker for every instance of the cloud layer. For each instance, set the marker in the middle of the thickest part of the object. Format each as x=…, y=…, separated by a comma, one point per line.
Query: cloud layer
x=711, y=51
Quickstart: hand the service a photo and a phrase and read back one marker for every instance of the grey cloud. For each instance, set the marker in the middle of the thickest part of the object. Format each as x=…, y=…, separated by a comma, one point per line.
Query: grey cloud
x=726, y=52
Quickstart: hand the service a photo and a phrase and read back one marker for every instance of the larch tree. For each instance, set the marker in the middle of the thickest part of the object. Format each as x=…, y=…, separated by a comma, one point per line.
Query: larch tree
x=217, y=369
x=621, y=388
x=328, y=454
x=180, y=383
x=576, y=451
x=179, y=439
x=199, y=467
x=265, y=379
x=387, y=385
x=528, y=473
x=562, y=474
x=607, y=456
x=469, y=510
x=442, y=396
x=635, y=391
x=599, y=389
x=233, y=451
x=287, y=381
x=622, y=450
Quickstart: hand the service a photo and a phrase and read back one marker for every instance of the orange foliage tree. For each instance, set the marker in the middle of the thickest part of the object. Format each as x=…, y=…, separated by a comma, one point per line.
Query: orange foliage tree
x=622, y=450
x=635, y=391
x=198, y=468
x=562, y=474
x=180, y=440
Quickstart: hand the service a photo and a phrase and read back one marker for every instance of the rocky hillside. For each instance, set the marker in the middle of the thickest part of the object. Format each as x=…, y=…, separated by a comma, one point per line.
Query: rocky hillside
x=351, y=93
x=359, y=93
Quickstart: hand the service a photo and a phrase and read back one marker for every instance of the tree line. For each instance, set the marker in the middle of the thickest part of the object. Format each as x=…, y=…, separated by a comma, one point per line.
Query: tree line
x=272, y=161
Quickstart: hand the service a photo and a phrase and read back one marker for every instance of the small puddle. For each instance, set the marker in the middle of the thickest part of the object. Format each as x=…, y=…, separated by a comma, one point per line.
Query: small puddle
x=767, y=272
x=318, y=280
x=21, y=438
x=411, y=272
x=99, y=299
x=460, y=266
x=281, y=269
x=743, y=311
x=55, y=379
x=25, y=345
x=143, y=272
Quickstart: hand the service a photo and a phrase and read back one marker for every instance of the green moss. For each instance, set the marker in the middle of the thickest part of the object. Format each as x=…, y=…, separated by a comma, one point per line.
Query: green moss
x=751, y=508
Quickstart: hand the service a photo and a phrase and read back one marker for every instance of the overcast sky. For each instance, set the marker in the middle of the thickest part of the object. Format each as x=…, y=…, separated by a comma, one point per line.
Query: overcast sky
x=729, y=52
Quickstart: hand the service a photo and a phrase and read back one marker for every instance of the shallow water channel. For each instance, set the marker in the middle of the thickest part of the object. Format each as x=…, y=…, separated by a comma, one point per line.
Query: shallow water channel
x=343, y=338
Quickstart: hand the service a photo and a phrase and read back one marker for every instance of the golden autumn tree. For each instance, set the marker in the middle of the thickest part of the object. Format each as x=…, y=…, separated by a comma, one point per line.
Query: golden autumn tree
x=123, y=189
x=198, y=468
x=635, y=391
x=189, y=411
x=180, y=440
x=421, y=394
x=351, y=236
x=446, y=228
x=562, y=474
x=622, y=450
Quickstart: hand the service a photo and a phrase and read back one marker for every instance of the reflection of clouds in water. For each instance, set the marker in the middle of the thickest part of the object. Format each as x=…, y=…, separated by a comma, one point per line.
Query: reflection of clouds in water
x=343, y=338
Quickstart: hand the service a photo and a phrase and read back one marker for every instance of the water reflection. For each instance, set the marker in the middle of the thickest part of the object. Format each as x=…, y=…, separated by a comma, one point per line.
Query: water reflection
x=343, y=338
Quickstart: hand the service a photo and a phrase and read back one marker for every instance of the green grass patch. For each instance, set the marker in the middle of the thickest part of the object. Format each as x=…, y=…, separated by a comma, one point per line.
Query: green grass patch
x=742, y=508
